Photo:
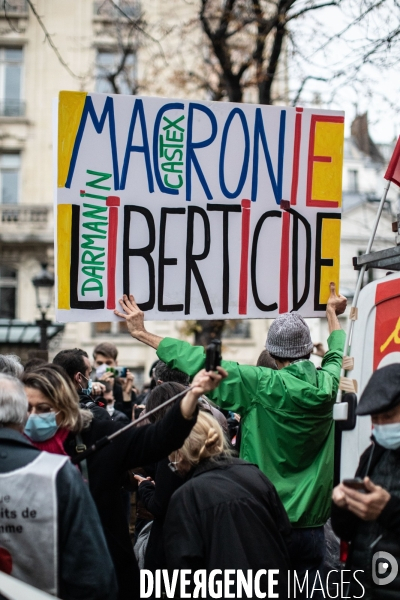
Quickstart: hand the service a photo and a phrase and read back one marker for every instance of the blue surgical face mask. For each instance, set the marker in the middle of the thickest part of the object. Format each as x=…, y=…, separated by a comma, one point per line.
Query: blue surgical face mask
x=388, y=435
x=40, y=428
x=88, y=390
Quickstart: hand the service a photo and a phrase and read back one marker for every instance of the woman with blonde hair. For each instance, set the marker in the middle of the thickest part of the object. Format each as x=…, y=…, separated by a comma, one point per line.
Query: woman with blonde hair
x=54, y=410
x=227, y=515
x=57, y=424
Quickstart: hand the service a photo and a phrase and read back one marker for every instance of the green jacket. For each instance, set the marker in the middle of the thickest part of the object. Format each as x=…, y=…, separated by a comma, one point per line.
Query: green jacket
x=287, y=425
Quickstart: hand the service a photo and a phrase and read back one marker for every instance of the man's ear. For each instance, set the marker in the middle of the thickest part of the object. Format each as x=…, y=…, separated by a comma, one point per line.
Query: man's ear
x=77, y=378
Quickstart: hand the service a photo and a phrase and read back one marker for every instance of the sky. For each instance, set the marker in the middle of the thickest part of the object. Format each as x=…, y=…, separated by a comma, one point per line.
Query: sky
x=317, y=51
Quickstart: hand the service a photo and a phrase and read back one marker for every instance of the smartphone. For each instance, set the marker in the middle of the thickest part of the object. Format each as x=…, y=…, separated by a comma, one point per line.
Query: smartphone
x=117, y=371
x=213, y=355
x=138, y=411
x=356, y=484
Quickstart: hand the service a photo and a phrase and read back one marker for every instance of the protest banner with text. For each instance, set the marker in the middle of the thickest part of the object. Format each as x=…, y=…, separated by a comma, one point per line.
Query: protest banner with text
x=200, y=209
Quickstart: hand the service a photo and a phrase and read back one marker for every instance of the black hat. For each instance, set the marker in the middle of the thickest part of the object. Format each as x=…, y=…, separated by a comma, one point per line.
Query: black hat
x=382, y=391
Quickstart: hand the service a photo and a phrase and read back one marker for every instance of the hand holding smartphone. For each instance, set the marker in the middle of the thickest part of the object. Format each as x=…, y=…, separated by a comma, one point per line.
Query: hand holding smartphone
x=356, y=484
x=213, y=355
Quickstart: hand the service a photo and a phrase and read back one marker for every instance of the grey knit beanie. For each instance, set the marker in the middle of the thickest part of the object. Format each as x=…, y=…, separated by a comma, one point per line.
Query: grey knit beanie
x=289, y=336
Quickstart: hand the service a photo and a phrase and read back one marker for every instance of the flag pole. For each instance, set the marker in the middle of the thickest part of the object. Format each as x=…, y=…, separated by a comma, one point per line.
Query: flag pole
x=349, y=336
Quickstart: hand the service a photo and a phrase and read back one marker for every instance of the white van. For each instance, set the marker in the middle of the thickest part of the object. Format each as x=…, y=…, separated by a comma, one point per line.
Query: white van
x=375, y=343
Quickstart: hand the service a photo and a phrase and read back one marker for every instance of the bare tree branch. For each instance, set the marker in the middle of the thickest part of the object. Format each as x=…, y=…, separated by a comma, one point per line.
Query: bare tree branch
x=341, y=33
x=309, y=8
x=8, y=19
x=221, y=48
x=265, y=85
x=139, y=28
x=225, y=18
x=51, y=43
x=303, y=83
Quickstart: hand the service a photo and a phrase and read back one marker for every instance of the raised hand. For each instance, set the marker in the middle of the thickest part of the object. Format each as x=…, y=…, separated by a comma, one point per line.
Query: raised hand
x=132, y=314
x=337, y=303
x=203, y=382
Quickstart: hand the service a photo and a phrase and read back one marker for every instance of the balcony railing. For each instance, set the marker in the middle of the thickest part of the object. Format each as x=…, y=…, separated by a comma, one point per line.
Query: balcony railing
x=12, y=108
x=12, y=213
x=104, y=8
x=13, y=6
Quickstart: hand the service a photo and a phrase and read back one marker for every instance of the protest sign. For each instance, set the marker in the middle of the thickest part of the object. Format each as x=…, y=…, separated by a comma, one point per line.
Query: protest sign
x=200, y=209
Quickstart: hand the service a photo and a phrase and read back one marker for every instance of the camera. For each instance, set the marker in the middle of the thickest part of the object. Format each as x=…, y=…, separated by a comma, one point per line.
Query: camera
x=117, y=371
x=213, y=355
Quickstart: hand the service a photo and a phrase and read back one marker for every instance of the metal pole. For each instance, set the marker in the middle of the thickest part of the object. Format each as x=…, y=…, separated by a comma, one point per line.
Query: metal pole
x=43, y=332
x=361, y=274
x=109, y=438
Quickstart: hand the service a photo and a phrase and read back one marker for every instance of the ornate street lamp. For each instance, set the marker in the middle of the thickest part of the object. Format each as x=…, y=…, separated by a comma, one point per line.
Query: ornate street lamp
x=43, y=284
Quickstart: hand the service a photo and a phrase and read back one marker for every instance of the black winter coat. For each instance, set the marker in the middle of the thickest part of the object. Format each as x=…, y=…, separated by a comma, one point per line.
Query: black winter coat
x=106, y=468
x=383, y=467
x=228, y=516
x=119, y=417
x=92, y=404
x=156, y=500
x=120, y=404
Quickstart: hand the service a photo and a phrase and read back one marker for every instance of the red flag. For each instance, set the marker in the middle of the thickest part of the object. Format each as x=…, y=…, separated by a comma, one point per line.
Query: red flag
x=393, y=170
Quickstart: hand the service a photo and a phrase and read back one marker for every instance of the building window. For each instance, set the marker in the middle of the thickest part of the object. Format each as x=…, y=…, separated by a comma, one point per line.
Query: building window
x=10, y=165
x=115, y=9
x=107, y=328
x=353, y=180
x=11, y=104
x=236, y=329
x=108, y=63
x=8, y=293
x=13, y=6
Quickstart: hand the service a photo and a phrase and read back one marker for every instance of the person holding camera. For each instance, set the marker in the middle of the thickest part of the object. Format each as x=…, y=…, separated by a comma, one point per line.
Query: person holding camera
x=105, y=361
x=76, y=364
x=366, y=510
x=287, y=423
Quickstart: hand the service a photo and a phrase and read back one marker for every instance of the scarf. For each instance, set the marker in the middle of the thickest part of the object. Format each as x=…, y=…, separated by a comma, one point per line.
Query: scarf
x=54, y=445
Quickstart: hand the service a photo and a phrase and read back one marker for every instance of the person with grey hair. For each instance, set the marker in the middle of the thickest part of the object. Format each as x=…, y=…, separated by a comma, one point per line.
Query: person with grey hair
x=287, y=423
x=48, y=520
x=13, y=402
x=11, y=364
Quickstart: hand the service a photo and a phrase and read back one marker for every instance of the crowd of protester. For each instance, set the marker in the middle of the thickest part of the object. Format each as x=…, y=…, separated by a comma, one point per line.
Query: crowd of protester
x=235, y=473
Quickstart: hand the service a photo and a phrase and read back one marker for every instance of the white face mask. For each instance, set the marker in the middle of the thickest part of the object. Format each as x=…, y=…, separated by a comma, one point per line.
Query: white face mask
x=388, y=435
x=101, y=370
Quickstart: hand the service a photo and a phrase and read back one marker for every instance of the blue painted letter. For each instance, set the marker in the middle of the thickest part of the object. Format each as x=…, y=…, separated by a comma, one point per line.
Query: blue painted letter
x=98, y=124
x=137, y=110
x=245, y=165
x=191, y=146
x=259, y=132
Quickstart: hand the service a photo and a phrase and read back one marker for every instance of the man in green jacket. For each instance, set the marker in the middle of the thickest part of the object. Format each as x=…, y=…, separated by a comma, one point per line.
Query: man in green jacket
x=287, y=425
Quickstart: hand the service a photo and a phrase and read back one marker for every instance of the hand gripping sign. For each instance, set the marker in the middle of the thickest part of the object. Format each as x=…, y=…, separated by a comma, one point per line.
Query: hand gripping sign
x=200, y=209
